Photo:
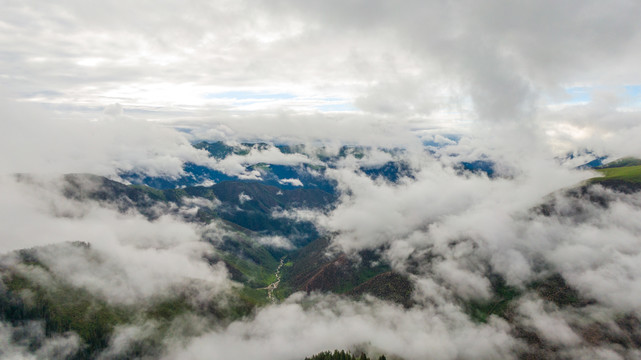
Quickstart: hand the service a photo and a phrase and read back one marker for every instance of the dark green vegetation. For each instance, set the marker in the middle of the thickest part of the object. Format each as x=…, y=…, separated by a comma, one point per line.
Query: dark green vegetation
x=480, y=310
x=62, y=308
x=247, y=261
x=32, y=293
x=341, y=355
x=552, y=288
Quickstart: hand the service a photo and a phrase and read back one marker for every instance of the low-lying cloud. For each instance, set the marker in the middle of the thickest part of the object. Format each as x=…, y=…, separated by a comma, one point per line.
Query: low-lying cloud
x=294, y=330
x=128, y=257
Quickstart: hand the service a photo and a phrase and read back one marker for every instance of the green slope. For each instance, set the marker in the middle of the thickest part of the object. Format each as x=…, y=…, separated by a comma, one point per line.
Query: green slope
x=625, y=169
x=247, y=261
x=622, y=173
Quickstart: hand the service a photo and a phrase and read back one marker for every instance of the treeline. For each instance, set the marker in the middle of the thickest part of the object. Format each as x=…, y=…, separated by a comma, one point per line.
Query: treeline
x=341, y=355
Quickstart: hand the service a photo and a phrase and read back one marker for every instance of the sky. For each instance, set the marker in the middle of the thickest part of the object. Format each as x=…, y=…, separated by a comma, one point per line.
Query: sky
x=243, y=68
x=104, y=87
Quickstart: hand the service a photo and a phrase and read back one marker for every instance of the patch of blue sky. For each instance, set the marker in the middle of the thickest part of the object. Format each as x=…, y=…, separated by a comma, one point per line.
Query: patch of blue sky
x=633, y=95
x=249, y=95
x=583, y=94
x=579, y=94
x=633, y=90
x=336, y=107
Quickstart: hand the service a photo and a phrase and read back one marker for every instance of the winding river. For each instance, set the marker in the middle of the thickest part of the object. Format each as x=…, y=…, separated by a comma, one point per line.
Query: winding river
x=273, y=286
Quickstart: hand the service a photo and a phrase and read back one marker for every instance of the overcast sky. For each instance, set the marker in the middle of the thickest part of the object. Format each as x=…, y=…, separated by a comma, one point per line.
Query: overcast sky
x=569, y=67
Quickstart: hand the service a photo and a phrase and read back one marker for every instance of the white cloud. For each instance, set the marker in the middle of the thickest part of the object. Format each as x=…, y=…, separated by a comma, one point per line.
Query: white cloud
x=242, y=197
x=130, y=258
x=125, y=336
x=550, y=325
x=236, y=165
x=275, y=241
x=32, y=142
x=293, y=331
x=292, y=182
x=27, y=342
